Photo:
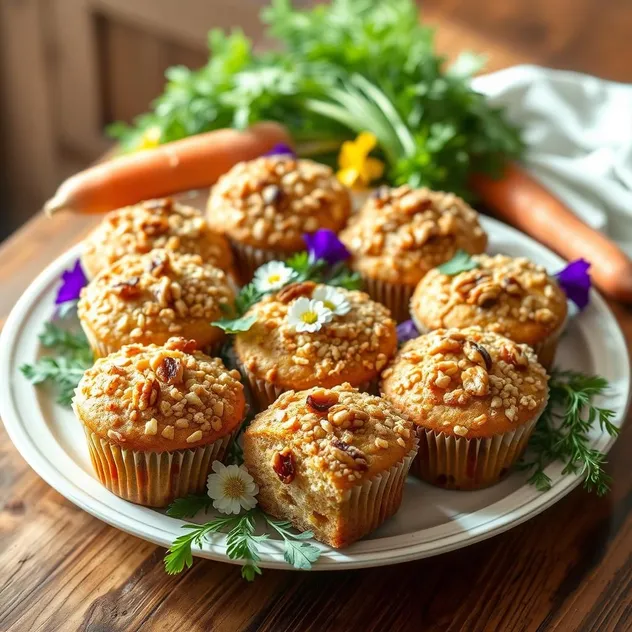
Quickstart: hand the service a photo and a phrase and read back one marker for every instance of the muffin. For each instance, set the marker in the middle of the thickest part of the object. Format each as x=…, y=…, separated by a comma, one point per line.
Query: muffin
x=351, y=339
x=156, y=418
x=399, y=234
x=510, y=296
x=265, y=206
x=153, y=224
x=149, y=298
x=474, y=397
x=332, y=461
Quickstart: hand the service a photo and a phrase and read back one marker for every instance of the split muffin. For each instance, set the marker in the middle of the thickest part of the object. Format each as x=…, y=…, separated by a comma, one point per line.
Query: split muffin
x=156, y=417
x=400, y=234
x=314, y=335
x=162, y=223
x=474, y=397
x=510, y=296
x=332, y=461
x=265, y=206
x=151, y=297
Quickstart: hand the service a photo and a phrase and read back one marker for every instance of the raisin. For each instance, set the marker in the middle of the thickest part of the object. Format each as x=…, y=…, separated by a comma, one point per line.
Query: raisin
x=272, y=194
x=284, y=465
x=295, y=290
x=170, y=370
x=128, y=289
x=321, y=402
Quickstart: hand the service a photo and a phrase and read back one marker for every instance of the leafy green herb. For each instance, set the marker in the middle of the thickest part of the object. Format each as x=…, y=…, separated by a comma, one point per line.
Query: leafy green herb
x=561, y=433
x=190, y=505
x=305, y=268
x=342, y=68
x=63, y=370
x=242, y=543
x=461, y=262
x=235, y=325
x=341, y=276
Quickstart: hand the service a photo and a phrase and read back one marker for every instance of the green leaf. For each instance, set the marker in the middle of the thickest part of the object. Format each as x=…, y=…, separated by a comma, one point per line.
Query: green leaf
x=461, y=262
x=236, y=325
x=189, y=506
x=297, y=552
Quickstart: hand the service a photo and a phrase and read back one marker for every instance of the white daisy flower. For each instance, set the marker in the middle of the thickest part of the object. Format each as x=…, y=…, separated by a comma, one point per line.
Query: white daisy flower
x=332, y=299
x=272, y=276
x=231, y=488
x=306, y=315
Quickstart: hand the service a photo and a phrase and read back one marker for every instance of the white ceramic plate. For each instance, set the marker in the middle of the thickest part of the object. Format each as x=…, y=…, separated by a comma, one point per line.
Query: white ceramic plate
x=430, y=520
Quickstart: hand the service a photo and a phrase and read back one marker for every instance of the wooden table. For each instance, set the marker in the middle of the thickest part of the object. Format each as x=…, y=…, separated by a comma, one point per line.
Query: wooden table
x=568, y=569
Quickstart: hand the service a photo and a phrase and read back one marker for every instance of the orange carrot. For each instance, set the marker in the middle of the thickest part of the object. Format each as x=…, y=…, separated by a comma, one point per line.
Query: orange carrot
x=191, y=163
x=521, y=201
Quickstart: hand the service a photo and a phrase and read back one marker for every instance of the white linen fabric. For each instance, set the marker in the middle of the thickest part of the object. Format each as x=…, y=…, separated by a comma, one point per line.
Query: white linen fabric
x=578, y=130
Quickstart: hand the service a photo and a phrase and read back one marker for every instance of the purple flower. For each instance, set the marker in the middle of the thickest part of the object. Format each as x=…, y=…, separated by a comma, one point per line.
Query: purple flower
x=72, y=282
x=324, y=244
x=281, y=149
x=406, y=331
x=575, y=281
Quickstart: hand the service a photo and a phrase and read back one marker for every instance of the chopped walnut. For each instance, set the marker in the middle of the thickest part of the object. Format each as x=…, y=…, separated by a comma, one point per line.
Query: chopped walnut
x=475, y=381
x=296, y=290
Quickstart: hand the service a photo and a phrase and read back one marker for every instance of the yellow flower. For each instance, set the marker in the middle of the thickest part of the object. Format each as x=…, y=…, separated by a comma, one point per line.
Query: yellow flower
x=149, y=139
x=357, y=168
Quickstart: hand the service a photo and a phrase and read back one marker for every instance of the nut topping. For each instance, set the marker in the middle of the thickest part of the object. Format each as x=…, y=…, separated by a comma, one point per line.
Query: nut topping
x=514, y=355
x=321, y=402
x=478, y=354
x=128, y=290
x=475, y=381
x=283, y=464
x=296, y=290
x=357, y=458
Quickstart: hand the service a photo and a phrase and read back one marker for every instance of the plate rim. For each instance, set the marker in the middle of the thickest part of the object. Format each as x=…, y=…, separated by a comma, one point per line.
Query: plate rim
x=272, y=556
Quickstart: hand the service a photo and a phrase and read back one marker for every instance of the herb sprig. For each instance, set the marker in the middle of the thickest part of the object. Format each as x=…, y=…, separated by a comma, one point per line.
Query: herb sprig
x=242, y=541
x=72, y=356
x=561, y=433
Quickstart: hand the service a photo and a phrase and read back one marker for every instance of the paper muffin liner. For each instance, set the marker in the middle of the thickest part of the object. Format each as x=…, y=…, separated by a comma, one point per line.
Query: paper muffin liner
x=248, y=259
x=375, y=500
x=153, y=479
x=265, y=393
x=460, y=463
x=395, y=296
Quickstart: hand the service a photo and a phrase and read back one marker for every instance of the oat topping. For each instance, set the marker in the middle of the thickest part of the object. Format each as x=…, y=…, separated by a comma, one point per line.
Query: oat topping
x=501, y=294
x=155, y=391
x=445, y=375
x=401, y=233
x=148, y=298
x=344, y=442
x=161, y=223
x=357, y=343
x=272, y=201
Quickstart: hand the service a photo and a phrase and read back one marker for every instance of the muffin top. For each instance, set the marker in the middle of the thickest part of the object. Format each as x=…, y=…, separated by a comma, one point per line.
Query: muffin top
x=513, y=297
x=399, y=234
x=350, y=339
x=335, y=438
x=271, y=202
x=160, y=398
x=151, y=297
x=466, y=382
x=161, y=223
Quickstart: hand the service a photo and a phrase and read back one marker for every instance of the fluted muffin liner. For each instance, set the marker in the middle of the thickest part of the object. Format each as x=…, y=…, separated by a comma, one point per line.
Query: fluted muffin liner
x=544, y=350
x=396, y=296
x=265, y=393
x=154, y=479
x=460, y=463
x=248, y=258
x=375, y=500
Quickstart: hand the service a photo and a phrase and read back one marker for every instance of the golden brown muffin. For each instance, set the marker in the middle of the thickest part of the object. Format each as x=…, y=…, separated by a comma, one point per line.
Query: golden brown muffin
x=511, y=296
x=351, y=347
x=474, y=396
x=156, y=418
x=149, y=298
x=265, y=206
x=333, y=461
x=399, y=234
x=161, y=223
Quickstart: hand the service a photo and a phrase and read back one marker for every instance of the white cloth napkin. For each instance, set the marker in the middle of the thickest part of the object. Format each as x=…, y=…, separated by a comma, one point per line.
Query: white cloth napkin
x=579, y=132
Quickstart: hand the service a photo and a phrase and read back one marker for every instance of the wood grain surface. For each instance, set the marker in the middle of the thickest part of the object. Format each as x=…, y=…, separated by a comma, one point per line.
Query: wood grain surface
x=568, y=569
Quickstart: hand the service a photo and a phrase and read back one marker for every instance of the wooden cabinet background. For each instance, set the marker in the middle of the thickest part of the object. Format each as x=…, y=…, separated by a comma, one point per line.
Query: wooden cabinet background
x=70, y=67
